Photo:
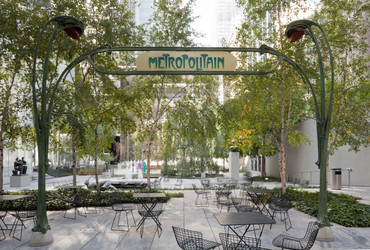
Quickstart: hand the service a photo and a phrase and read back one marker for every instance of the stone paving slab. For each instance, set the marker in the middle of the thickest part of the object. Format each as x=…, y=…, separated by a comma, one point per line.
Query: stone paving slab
x=93, y=232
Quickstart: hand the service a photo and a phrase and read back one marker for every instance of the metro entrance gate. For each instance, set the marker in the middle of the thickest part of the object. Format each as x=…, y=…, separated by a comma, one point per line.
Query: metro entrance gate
x=174, y=61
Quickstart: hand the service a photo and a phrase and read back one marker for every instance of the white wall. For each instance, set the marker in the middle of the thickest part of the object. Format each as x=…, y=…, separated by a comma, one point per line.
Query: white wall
x=301, y=161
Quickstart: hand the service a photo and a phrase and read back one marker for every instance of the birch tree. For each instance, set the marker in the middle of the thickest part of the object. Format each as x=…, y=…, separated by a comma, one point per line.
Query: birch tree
x=169, y=26
x=273, y=102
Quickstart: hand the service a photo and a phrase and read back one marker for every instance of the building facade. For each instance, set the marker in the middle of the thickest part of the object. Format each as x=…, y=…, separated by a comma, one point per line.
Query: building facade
x=301, y=168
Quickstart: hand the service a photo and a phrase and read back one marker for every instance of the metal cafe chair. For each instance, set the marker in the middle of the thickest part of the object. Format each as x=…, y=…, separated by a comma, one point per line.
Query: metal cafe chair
x=157, y=182
x=232, y=241
x=305, y=243
x=189, y=239
x=242, y=205
x=281, y=205
x=201, y=193
x=77, y=200
x=223, y=196
x=120, y=207
x=154, y=213
x=206, y=183
x=178, y=181
x=20, y=217
x=2, y=216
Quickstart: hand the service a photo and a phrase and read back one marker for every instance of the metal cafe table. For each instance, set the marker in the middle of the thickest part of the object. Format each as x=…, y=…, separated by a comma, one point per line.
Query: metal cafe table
x=248, y=219
x=10, y=197
x=257, y=193
x=149, y=202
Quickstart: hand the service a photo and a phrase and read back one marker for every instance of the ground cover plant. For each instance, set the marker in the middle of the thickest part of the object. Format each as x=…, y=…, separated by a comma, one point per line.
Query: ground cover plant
x=343, y=209
x=61, y=199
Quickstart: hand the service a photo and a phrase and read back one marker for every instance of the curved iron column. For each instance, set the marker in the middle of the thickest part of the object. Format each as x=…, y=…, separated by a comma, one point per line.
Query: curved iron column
x=42, y=115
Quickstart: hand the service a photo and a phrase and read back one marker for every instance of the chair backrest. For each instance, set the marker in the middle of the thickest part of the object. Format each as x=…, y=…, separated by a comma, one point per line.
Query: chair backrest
x=225, y=190
x=241, y=205
x=282, y=201
x=156, y=211
x=205, y=183
x=114, y=198
x=311, y=234
x=24, y=215
x=159, y=179
x=229, y=187
x=249, y=180
x=178, y=180
x=196, y=190
x=188, y=239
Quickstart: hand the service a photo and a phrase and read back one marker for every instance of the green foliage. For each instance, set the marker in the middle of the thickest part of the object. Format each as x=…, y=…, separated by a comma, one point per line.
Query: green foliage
x=262, y=114
x=347, y=25
x=60, y=172
x=61, y=199
x=190, y=131
x=266, y=179
x=170, y=24
x=90, y=171
x=342, y=209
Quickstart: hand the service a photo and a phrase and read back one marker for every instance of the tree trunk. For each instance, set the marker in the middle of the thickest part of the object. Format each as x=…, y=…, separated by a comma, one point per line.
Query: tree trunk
x=148, y=163
x=1, y=161
x=343, y=95
x=96, y=160
x=283, y=169
x=263, y=167
x=74, y=167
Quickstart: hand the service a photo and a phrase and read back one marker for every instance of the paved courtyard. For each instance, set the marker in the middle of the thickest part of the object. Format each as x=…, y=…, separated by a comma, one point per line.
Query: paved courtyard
x=94, y=231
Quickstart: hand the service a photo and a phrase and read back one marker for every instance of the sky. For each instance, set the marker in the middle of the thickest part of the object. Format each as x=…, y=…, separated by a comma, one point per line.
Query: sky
x=205, y=23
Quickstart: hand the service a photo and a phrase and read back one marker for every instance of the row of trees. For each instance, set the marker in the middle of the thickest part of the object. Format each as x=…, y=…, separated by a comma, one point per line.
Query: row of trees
x=260, y=115
x=270, y=107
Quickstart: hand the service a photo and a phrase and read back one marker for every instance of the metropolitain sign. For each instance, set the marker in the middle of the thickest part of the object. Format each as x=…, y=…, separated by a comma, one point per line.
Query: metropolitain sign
x=185, y=61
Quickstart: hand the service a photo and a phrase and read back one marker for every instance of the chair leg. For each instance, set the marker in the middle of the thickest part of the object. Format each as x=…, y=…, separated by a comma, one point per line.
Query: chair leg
x=2, y=219
x=287, y=218
x=159, y=232
x=14, y=228
x=273, y=215
x=132, y=215
x=65, y=214
x=2, y=230
x=114, y=219
x=119, y=219
x=74, y=212
x=84, y=214
x=206, y=196
x=142, y=229
x=284, y=216
x=198, y=201
x=92, y=210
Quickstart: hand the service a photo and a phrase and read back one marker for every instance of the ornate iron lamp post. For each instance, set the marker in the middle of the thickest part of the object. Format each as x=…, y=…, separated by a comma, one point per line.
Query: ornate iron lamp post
x=41, y=234
x=294, y=32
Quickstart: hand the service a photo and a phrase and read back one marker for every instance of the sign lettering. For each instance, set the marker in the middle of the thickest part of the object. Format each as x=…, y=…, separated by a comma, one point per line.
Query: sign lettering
x=185, y=61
